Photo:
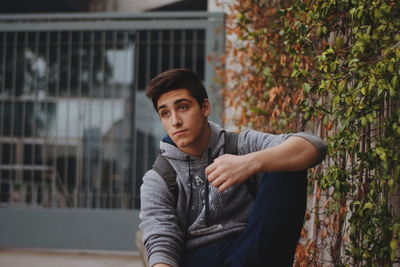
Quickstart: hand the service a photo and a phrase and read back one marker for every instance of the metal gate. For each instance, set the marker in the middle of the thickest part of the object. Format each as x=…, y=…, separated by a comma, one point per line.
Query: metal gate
x=76, y=131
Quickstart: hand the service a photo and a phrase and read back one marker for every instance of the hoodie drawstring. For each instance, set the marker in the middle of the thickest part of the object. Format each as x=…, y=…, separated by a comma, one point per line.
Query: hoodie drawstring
x=206, y=191
x=190, y=196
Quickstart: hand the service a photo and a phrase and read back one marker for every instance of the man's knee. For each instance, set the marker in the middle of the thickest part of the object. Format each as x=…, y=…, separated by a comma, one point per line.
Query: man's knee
x=285, y=185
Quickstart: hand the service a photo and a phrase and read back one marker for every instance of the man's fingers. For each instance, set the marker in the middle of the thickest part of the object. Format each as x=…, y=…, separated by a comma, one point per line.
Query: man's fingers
x=214, y=174
x=224, y=186
x=216, y=164
x=213, y=171
x=218, y=172
x=210, y=169
x=217, y=182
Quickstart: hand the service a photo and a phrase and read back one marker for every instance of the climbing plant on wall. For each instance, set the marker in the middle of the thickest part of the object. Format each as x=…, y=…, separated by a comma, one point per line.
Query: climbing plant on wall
x=331, y=67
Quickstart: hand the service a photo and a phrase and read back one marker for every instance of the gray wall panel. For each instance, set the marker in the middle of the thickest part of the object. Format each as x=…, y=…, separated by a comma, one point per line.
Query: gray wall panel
x=46, y=228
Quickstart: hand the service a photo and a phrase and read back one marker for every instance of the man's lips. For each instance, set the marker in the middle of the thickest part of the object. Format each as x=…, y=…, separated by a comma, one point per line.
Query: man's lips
x=180, y=132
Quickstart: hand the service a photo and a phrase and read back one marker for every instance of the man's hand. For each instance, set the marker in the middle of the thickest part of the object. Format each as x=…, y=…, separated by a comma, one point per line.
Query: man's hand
x=228, y=170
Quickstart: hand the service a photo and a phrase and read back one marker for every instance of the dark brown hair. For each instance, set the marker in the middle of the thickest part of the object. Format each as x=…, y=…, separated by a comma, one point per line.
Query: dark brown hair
x=176, y=79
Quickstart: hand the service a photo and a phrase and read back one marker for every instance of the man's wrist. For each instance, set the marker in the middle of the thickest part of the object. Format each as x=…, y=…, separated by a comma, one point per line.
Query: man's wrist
x=253, y=163
x=161, y=265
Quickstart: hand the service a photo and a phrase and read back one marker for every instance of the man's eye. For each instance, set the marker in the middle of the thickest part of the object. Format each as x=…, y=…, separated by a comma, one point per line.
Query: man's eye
x=183, y=107
x=164, y=113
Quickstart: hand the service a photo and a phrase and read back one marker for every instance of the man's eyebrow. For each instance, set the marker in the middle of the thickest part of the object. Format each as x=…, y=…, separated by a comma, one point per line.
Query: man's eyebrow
x=176, y=102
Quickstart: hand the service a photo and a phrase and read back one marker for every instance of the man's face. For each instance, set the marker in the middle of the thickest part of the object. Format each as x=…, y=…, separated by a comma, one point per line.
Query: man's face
x=184, y=120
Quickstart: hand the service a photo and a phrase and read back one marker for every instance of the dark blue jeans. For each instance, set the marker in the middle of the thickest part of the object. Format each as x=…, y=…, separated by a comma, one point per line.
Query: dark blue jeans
x=273, y=230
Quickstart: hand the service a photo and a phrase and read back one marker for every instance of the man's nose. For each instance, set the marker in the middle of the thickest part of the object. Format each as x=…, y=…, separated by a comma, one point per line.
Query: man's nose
x=175, y=119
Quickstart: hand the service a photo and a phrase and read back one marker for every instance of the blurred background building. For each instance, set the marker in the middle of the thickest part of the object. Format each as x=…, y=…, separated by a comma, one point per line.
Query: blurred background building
x=76, y=130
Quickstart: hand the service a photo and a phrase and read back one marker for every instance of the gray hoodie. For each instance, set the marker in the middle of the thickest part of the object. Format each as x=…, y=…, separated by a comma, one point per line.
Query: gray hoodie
x=201, y=215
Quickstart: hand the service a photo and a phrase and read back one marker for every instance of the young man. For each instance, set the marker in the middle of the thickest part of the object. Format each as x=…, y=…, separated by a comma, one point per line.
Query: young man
x=215, y=220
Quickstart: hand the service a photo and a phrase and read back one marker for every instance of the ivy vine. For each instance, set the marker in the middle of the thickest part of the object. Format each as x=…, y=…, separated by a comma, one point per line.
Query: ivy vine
x=331, y=67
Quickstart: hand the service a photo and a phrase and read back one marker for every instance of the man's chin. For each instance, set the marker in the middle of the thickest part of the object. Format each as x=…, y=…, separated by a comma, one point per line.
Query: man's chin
x=181, y=144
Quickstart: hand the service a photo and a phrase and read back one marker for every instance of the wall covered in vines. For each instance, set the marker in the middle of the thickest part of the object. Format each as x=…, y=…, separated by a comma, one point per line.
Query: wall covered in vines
x=331, y=67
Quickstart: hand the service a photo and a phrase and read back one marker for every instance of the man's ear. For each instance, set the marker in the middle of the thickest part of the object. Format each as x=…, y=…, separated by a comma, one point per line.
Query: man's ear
x=206, y=107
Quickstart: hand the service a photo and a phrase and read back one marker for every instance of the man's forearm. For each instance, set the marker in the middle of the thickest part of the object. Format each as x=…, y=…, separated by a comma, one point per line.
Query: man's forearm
x=294, y=154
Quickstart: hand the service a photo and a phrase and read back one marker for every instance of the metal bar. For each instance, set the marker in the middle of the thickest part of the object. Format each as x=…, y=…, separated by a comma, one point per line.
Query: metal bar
x=159, y=49
x=3, y=75
x=103, y=63
x=35, y=92
x=46, y=150
x=35, y=89
x=103, y=25
x=132, y=138
x=201, y=50
x=79, y=156
x=27, y=167
x=59, y=43
x=171, y=49
x=31, y=134
x=113, y=15
x=23, y=123
x=89, y=188
x=102, y=97
x=194, y=51
x=57, y=94
x=12, y=102
x=22, y=105
x=4, y=78
x=43, y=151
x=113, y=140
x=3, y=67
x=125, y=125
x=183, y=48
x=133, y=151
x=41, y=141
x=24, y=98
x=68, y=94
x=148, y=56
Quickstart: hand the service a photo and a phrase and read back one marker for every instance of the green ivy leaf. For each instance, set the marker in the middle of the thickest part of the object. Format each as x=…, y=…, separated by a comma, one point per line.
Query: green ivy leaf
x=393, y=245
x=397, y=51
x=267, y=72
x=363, y=121
x=381, y=153
x=368, y=206
x=306, y=87
x=342, y=85
x=363, y=90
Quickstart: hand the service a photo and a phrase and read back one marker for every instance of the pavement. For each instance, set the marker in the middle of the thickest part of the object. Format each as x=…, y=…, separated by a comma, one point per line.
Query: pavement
x=15, y=257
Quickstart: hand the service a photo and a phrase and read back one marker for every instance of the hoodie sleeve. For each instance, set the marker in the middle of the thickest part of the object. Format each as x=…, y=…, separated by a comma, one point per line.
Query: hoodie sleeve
x=251, y=141
x=161, y=234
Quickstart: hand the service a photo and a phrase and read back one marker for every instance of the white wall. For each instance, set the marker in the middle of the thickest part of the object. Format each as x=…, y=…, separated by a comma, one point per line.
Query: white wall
x=220, y=7
x=135, y=5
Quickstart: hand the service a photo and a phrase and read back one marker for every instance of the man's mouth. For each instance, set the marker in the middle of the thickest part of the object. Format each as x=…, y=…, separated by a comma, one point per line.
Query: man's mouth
x=179, y=132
